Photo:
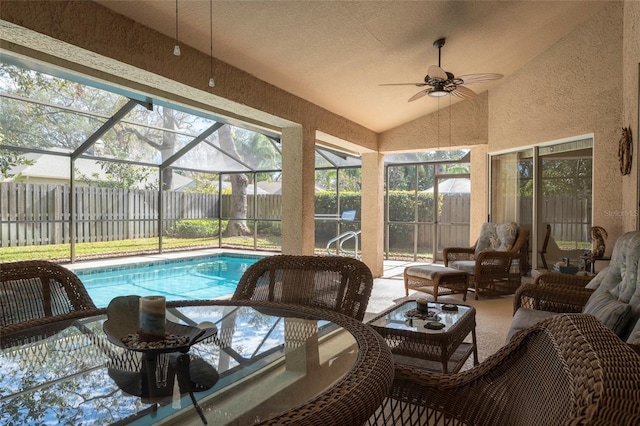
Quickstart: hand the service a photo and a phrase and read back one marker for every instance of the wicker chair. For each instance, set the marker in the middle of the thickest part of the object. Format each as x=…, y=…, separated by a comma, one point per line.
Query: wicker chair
x=612, y=296
x=36, y=292
x=341, y=284
x=491, y=272
x=567, y=370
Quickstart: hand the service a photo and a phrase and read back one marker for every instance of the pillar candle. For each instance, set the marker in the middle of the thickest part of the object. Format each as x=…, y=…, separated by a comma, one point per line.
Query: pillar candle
x=152, y=318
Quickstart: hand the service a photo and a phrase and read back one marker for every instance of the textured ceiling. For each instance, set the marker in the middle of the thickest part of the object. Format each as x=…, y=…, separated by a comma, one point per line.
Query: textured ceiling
x=336, y=53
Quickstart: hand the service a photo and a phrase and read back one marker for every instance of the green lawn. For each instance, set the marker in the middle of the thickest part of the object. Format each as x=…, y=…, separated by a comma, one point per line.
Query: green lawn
x=104, y=249
x=85, y=251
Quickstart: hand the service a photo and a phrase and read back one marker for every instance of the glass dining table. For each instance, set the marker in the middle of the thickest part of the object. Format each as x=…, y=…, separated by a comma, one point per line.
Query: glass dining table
x=258, y=363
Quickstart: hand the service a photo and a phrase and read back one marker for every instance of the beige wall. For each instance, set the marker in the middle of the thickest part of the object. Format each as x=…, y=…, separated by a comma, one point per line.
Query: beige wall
x=630, y=100
x=461, y=124
x=574, y=88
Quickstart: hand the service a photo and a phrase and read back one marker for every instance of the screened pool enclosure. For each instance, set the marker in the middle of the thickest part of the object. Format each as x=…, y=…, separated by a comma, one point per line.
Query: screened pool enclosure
x=88, y=169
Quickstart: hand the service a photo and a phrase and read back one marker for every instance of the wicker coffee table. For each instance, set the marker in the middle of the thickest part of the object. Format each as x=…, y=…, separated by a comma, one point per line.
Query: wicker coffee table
x=443, y=350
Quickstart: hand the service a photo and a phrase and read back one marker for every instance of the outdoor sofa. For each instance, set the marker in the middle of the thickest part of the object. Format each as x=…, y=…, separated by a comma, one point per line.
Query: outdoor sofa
x=612, y=296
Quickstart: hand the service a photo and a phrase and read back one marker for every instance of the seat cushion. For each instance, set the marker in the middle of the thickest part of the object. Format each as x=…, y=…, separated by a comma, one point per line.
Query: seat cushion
x=525, y=318
x=614, y=313
x=429, y=271
x=634, y=336
x=468, y=266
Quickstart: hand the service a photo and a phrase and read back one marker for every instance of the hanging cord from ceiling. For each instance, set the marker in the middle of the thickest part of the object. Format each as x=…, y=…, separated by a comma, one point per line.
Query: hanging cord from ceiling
x=176, y=47
x=212, y=82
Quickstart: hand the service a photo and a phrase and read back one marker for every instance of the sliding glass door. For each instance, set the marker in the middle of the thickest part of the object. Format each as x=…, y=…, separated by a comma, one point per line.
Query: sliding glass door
x=550, y=184
x=566, y=197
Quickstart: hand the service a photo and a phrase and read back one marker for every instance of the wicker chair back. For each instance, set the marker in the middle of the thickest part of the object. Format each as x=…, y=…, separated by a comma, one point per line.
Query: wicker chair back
x=340, y=284
x=36, y=292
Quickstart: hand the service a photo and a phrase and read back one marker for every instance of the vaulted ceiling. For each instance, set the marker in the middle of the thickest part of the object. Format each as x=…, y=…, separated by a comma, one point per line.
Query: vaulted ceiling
x=337, y=53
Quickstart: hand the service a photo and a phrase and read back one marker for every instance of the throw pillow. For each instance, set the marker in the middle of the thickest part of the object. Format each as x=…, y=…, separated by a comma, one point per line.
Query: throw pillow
x=506, y=233
x=487, y=233
x=610, y=311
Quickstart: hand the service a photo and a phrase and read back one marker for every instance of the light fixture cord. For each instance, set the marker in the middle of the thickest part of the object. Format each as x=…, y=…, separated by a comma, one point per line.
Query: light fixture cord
x=438, y=124
x=176, y=22
x=211, y=37
x=450, y=133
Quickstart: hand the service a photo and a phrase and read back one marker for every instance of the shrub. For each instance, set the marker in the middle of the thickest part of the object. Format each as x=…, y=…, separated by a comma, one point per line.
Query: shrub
x=196, y=228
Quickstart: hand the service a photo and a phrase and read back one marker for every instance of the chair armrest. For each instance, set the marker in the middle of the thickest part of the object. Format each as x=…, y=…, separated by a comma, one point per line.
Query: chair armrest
x=563, y=279
x=561, y=298
x=457, y=253
x=562, y=352
x=463, y=395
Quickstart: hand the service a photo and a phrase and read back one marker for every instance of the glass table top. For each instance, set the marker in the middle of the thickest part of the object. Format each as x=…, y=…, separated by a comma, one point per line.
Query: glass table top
x=406, y=317
x=261, y=362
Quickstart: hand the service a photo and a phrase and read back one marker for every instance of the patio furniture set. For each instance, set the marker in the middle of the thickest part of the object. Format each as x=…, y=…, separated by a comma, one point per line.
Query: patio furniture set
x=492, y=266
x=569, y=368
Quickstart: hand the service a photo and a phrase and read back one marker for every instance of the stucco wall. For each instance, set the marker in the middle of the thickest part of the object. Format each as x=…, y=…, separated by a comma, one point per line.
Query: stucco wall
x=574, y=88
x=630, y=99
x=461, y=124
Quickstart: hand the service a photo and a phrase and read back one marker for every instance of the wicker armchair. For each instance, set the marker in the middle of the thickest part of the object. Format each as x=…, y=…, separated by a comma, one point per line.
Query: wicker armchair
x=341, y=284
x=37, y=292
x=554, y=292
x=612, y=296
x=567, y=370
x=491, y=272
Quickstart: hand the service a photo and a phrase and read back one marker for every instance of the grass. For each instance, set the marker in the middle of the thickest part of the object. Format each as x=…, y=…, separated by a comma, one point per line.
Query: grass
x=86, y=251
x=105, y=249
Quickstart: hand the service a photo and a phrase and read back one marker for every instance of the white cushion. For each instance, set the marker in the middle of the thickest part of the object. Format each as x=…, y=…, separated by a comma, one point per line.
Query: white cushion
x=468, y=266
x=429, y=271
x=525, y=318
x=612, y=312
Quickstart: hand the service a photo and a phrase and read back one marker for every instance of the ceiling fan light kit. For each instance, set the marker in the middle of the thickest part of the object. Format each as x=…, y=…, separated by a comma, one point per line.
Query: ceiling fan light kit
x=438, y=93
x=442, y=83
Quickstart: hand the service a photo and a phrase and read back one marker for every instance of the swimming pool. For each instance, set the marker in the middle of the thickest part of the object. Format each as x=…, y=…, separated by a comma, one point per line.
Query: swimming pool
x=192, y=278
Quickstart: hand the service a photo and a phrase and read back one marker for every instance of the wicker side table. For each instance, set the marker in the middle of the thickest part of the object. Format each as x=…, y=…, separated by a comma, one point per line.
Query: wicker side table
x=443, y=350
x=436, y=280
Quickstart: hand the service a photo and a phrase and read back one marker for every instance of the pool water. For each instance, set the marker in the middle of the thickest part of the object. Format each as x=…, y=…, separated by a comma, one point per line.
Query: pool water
x=192, y=278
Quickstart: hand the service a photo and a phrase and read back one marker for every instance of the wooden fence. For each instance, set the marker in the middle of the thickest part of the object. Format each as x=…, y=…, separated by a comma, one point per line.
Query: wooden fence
x=37, y=214
x=34, y=214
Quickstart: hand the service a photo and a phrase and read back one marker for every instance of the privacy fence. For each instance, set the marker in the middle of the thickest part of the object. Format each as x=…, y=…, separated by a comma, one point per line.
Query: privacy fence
x=32, y=214
x=38, y=214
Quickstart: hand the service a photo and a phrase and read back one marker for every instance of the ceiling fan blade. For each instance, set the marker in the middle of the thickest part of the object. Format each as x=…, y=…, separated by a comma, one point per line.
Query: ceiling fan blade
x=463, y=92
x=437, y=72
x=404, y=84
x=479, y=78
x=418, y=95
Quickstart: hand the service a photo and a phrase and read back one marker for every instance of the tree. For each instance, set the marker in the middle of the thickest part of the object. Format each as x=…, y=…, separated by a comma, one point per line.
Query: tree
x=9, y=160
x=239, y=182
x=119, y=175
x=164, y=143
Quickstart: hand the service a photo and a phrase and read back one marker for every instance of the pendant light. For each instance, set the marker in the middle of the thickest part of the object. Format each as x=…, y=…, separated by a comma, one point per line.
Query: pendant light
x=212, y=83
x=176, y=48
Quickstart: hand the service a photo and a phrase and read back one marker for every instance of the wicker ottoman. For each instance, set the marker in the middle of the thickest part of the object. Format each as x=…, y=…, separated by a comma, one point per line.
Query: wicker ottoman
x=436, y=280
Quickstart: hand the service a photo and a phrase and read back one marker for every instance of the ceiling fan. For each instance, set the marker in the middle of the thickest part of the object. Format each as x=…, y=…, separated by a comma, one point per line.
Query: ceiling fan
x=442, y=83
